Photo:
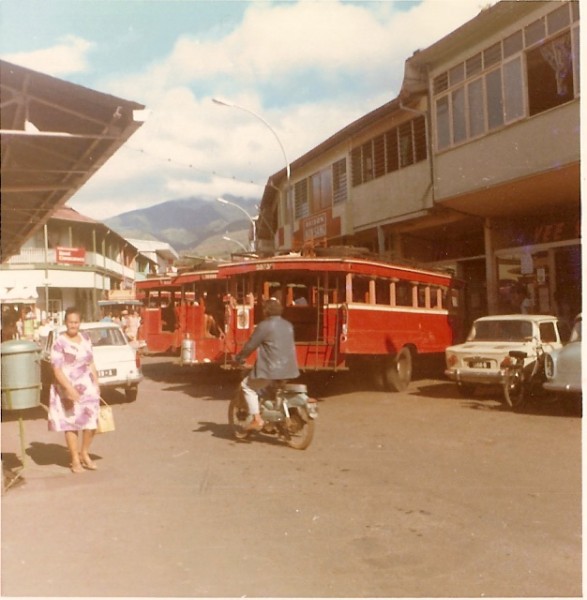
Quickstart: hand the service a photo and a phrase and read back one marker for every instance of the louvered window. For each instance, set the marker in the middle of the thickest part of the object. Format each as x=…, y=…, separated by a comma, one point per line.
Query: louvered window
x=302, y=208
x=339, y=181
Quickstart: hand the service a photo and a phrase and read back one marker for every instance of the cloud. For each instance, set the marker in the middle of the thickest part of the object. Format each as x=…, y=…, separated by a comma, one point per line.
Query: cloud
x=307, y=69
x=68, y=56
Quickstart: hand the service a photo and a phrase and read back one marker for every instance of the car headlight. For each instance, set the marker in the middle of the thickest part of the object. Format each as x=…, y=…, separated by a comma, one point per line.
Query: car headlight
x=549, y=366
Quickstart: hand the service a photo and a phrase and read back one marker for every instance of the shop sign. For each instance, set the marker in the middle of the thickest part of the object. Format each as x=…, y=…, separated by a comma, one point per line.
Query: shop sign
x=315, y=227
x=557, y=232
x=70, y=256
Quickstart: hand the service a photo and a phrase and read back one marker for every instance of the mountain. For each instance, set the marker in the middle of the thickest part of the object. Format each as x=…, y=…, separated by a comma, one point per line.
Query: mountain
x=188, y=224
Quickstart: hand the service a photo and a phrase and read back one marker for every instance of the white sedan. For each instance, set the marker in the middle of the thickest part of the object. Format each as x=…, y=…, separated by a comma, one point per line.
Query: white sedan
x=563, y=367
x=117, y=362
x=480, y=360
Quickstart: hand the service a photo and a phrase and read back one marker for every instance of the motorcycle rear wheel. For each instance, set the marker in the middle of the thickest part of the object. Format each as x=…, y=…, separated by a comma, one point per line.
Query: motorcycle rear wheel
x=238, y=416
x=514, y=389
x=301, y=430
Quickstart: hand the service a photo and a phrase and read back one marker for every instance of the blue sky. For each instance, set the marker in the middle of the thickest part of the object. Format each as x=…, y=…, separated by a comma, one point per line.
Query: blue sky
x=308, y=68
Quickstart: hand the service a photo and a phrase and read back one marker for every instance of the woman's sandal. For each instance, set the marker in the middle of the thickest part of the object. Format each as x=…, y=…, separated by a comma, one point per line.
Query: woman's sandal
x=89, y=464
x=76, y=468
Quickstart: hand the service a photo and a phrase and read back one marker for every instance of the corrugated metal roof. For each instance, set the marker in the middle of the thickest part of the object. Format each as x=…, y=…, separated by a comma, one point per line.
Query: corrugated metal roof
x=54, y=135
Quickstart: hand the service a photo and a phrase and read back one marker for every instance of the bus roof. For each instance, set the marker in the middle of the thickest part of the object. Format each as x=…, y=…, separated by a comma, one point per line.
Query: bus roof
x=191, y=276
x=154, y=283
x=119, y=303
x=364, y=266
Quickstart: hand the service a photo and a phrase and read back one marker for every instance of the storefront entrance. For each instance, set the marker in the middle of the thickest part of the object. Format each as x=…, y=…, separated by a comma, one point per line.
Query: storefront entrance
x=541, y=281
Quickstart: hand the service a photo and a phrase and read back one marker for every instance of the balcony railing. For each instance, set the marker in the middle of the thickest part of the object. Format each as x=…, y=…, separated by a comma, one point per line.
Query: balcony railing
x=36, y=256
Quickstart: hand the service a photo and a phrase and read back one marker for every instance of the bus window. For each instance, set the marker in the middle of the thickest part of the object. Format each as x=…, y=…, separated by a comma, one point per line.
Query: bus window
x=382, y=291
x=403, y=293
x=334, y=292
x=360, y=289
x=424, y=296
x=169, y=316
x=298, y=295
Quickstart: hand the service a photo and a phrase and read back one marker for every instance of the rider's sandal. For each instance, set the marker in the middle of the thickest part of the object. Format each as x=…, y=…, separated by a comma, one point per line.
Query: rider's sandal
x=255, y=426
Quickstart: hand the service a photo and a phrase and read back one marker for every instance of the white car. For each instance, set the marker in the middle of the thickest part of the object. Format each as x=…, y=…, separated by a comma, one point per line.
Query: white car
x=480, y=360
x=563, y=367
x=117, y=362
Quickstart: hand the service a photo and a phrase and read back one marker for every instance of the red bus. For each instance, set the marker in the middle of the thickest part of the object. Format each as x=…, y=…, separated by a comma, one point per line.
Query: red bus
x=160, y=327
x=202, y=313
x=347, y=312
x=189, y=306
x=355, y=313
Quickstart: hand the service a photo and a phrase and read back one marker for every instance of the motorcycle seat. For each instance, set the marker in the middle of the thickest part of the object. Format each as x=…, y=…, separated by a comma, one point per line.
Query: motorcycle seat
x=295, y=387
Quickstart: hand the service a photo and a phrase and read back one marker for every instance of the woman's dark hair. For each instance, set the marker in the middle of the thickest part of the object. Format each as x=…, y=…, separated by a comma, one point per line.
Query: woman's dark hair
x=72, y=310
x=272, y=308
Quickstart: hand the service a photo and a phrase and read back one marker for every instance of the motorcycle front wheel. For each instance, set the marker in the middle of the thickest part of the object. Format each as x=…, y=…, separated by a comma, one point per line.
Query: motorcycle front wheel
x=300, y=431
x=514, y=388
x=238, y=415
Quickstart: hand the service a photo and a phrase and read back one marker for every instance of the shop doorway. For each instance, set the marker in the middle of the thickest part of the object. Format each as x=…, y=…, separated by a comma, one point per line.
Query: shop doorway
x=473, y=273
x=568, y=282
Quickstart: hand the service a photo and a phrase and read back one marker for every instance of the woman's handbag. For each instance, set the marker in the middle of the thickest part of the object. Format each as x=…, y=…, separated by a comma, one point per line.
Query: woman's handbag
x=105, y=418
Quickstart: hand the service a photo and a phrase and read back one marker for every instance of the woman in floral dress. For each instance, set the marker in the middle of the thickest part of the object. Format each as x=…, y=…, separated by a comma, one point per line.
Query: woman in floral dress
x=74, y=400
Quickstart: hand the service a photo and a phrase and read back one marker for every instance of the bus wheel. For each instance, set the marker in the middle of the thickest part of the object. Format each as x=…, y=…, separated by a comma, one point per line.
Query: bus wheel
x=397, y=370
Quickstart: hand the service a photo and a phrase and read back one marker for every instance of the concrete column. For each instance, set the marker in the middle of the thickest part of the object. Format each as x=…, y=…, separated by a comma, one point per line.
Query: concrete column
x=490, y=269
x=396, y=245
x=380, y=240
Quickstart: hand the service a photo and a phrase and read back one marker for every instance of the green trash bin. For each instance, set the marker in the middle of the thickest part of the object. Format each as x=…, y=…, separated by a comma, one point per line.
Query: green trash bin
x=21, y=374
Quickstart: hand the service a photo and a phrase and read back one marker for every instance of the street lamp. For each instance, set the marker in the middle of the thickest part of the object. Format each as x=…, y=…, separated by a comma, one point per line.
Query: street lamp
x=233, y=105
x=287, y=166
x=229, y=239
x=251, y=219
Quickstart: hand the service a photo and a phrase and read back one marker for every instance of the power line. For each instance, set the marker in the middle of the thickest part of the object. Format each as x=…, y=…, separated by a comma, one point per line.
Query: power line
x=191, y=166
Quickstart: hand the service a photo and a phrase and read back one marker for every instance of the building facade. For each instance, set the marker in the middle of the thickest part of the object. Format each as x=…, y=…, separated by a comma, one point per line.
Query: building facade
x=73, y=260
x=475, y=166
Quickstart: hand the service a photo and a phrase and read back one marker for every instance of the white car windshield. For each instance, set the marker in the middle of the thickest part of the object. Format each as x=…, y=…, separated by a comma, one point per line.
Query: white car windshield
x=107, y=336
x=500, y=331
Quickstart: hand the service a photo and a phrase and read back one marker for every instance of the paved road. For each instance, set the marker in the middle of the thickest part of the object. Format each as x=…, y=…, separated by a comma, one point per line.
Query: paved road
x=413, y=494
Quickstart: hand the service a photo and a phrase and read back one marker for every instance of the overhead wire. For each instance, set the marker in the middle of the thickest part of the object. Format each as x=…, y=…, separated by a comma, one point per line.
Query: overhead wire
x=191, y=166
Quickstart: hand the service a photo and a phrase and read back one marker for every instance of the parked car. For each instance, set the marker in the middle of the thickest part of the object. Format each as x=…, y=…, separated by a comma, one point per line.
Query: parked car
x=563, y=367
x=482, y=358
x=117, y=362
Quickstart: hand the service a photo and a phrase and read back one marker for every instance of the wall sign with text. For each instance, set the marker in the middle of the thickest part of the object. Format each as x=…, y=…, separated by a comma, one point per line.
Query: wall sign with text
x=70, y=256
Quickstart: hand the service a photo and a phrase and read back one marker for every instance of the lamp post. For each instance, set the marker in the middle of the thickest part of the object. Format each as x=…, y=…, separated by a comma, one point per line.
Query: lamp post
x=248, y=110
x=229, y=239
x=287, y=166
x=251, y=219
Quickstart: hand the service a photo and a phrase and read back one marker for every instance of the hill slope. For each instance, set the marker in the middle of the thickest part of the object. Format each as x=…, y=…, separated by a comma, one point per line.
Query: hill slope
x=186, y=223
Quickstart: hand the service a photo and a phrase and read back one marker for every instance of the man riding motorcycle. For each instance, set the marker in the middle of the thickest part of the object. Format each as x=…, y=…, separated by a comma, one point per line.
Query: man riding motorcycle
x=273, y=338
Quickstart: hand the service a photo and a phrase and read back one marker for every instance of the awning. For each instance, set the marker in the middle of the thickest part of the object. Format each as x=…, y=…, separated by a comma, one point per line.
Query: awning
x=18, y=295
x=55, y=135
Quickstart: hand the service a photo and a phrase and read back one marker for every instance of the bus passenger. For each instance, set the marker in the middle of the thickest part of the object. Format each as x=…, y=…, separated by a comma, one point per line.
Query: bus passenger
x=169, y=317
x=214, y=313
x=300, y=298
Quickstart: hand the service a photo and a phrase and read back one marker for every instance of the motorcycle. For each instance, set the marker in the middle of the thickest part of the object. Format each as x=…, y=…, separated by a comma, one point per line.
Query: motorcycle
x=523, y=380
x=287, y=410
